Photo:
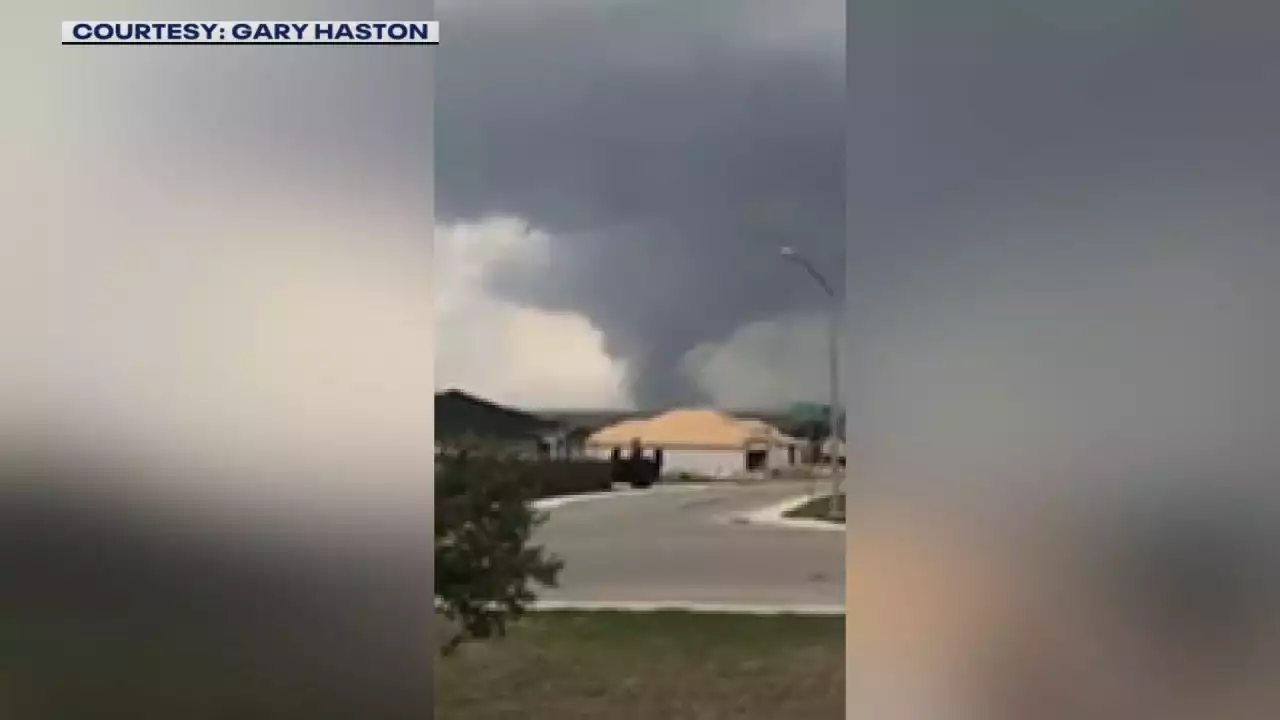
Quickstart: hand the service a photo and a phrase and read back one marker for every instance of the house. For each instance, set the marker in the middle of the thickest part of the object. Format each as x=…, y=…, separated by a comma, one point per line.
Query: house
x=465, y=418
x=812, y=422
x=700, y=442
x=833, y=447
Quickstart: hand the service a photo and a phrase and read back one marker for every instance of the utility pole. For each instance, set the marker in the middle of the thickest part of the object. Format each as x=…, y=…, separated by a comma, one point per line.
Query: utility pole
x=833, y=380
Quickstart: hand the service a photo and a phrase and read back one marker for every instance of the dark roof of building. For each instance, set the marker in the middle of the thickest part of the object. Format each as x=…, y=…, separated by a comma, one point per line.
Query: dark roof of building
x=460, y=414
x=592, y=420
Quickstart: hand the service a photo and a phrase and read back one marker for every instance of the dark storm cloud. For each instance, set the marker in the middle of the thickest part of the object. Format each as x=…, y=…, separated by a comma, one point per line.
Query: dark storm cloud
x=668, y=151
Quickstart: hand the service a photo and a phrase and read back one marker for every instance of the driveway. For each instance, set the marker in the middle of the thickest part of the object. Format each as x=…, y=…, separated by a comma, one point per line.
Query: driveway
x=674, y=545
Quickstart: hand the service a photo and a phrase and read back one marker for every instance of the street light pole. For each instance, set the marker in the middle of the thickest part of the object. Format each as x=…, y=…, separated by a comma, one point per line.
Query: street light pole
x=833, y=413
x=833, y=379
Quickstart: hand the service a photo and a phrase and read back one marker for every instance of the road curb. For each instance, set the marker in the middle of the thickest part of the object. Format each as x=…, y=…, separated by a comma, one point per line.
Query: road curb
x=693, y=607
x=559, y=501
x=775, y=516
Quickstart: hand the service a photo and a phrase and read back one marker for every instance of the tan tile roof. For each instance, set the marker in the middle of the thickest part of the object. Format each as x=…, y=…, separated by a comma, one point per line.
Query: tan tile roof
x=616, y=434
x=762, y=428
x=701, y=427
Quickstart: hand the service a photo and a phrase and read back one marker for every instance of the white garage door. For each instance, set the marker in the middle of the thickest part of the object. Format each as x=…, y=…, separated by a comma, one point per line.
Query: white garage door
x=781, y=457
x=713, y=463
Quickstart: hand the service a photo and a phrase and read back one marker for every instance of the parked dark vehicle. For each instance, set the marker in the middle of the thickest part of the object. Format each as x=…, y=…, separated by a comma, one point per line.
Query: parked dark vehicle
x=643, y=472
x=635, y=470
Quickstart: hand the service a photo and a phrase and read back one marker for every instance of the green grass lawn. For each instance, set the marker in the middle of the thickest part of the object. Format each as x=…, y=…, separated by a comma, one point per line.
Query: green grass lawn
x=647, y=666
x=818, y=508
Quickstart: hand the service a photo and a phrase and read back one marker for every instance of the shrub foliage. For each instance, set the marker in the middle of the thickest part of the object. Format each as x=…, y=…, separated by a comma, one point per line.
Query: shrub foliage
x=486, y=566
x=485, y=562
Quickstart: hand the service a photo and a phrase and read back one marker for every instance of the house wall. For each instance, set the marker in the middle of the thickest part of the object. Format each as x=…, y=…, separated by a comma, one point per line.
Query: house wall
x=712, y=462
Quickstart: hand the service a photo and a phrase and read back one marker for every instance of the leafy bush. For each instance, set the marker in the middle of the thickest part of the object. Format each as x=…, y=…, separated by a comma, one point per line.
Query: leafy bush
x=486, y=566
x=485, y=563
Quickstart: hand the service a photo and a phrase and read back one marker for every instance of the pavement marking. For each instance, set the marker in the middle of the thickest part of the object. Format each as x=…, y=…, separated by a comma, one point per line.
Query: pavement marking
x=559, y=501
x=775, y=516
x=697, y=607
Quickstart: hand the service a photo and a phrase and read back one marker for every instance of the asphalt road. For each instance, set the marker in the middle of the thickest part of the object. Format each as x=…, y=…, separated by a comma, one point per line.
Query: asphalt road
x=677, y=545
